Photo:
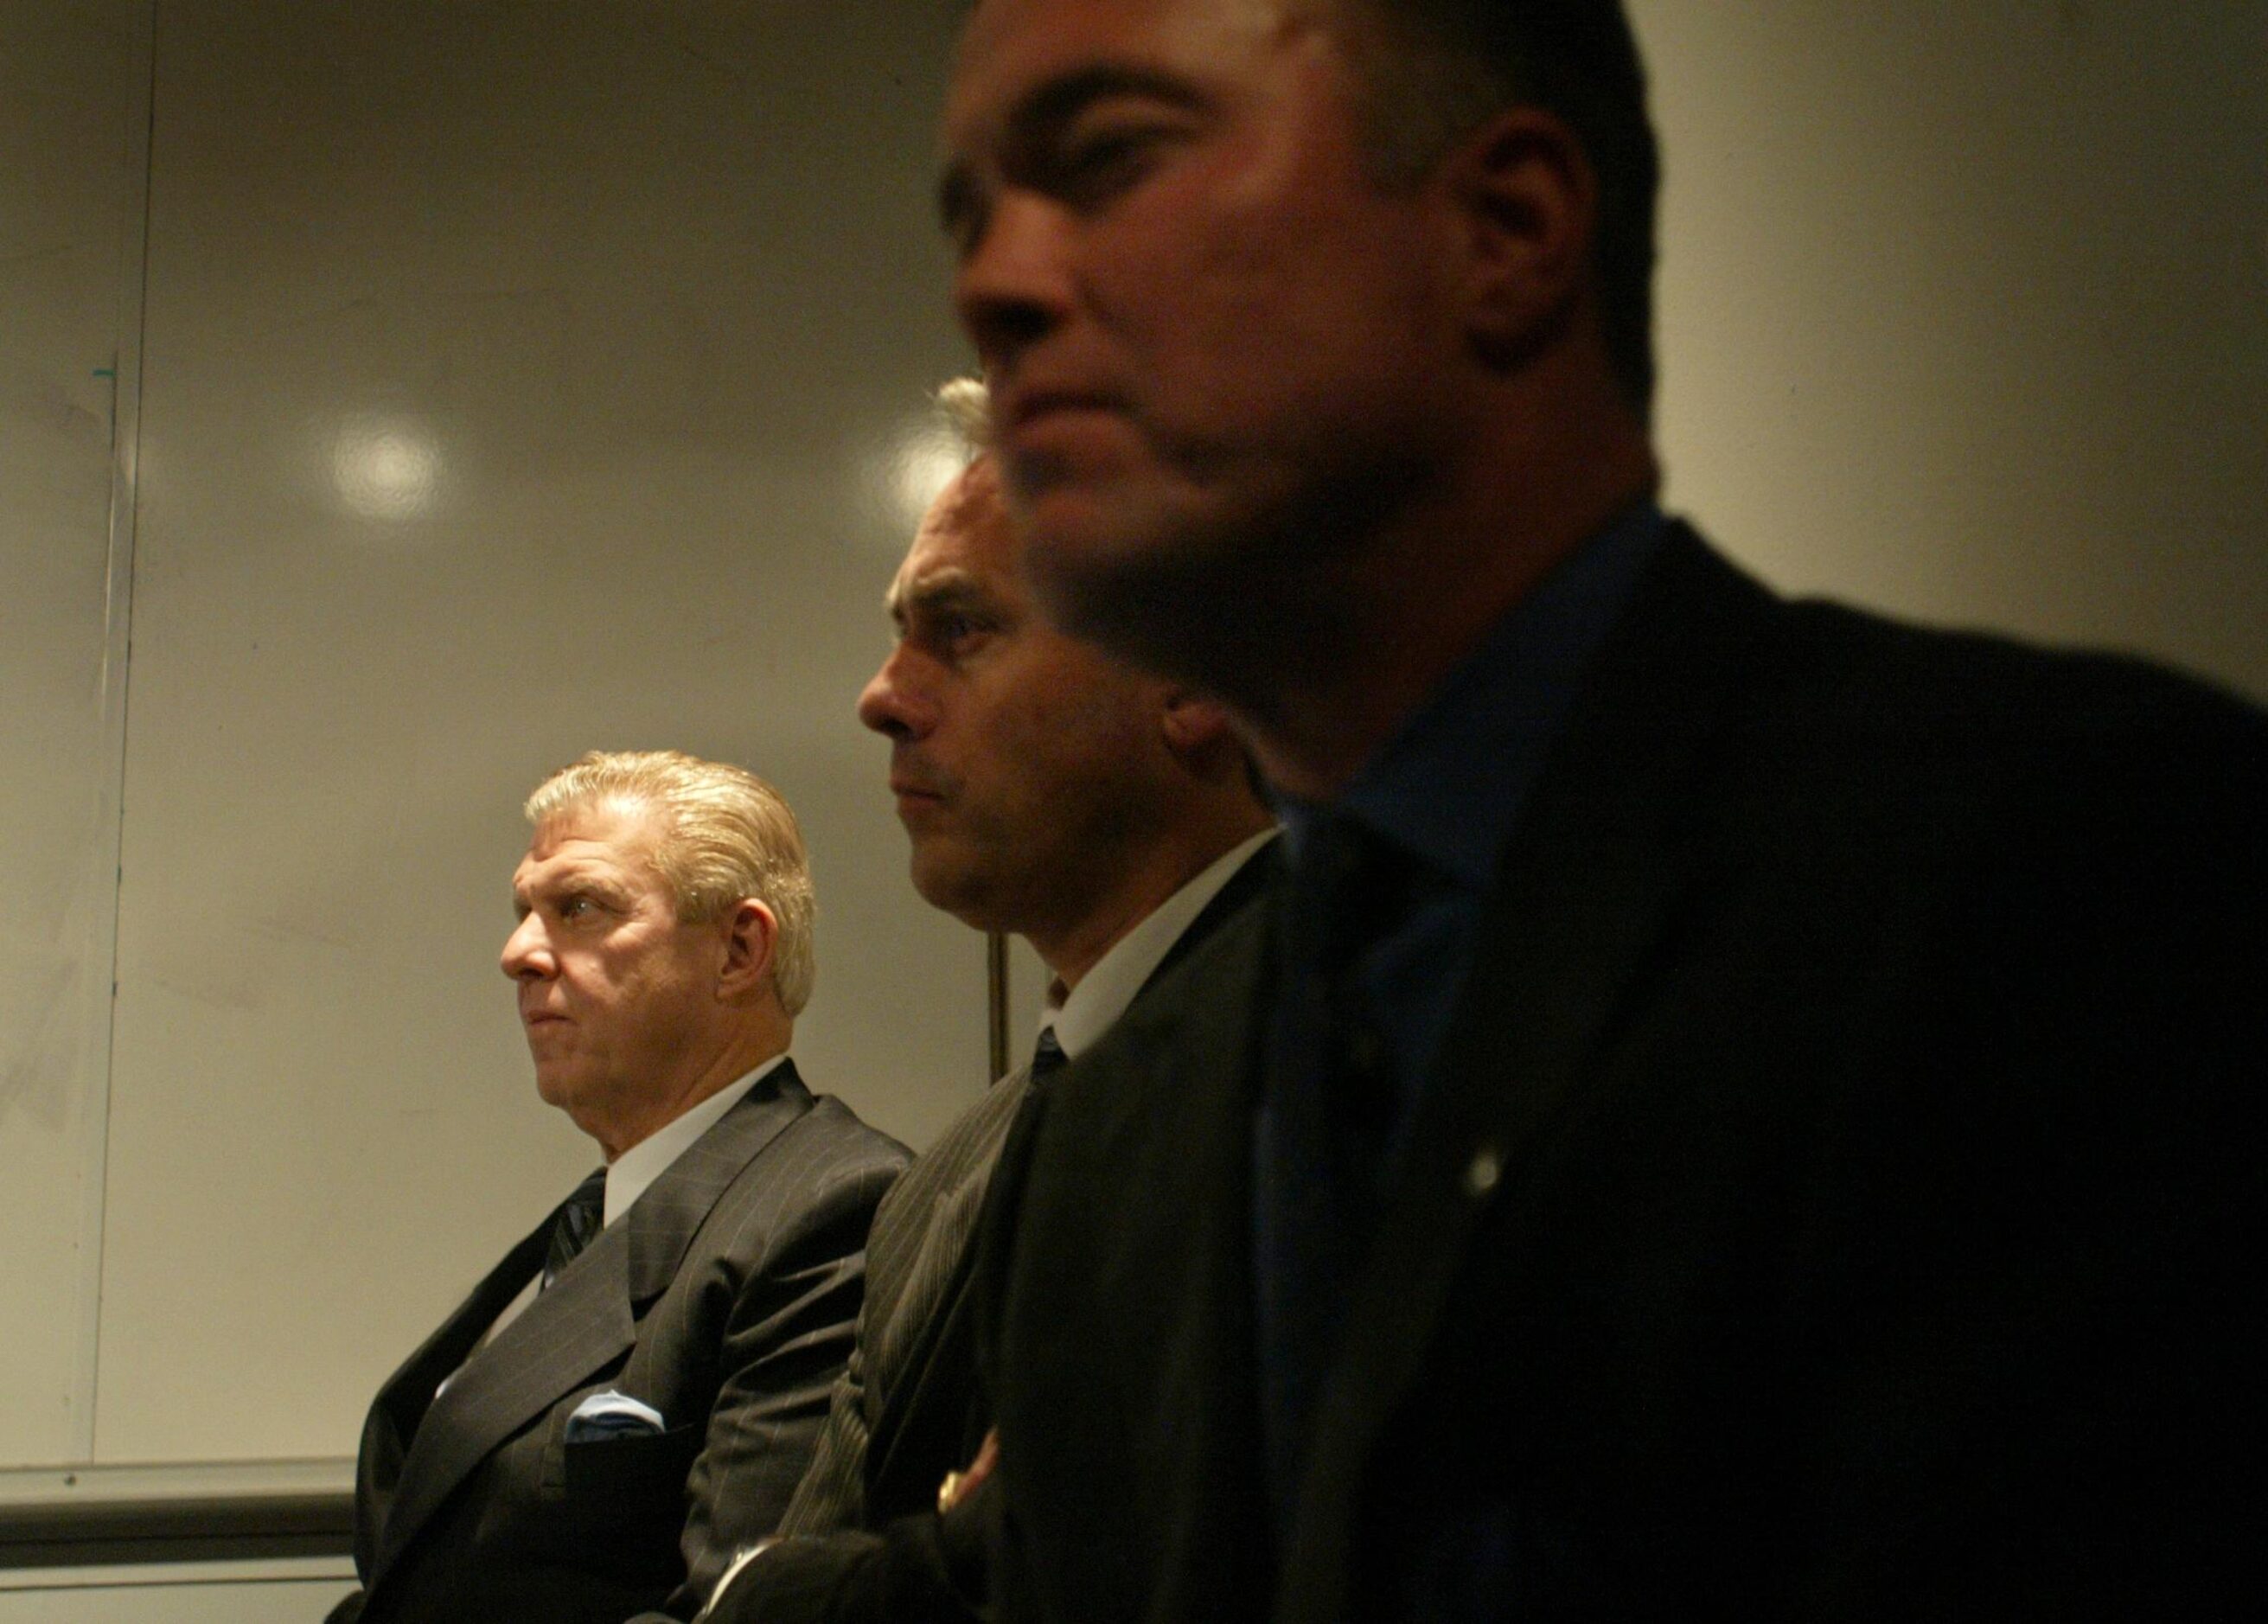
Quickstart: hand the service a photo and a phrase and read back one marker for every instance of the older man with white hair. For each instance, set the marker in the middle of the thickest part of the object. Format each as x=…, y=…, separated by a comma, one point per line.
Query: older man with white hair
x=552, y=1452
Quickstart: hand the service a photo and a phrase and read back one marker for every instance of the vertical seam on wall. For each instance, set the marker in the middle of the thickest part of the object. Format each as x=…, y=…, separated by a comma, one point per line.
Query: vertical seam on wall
x=996, y=1001
x=117, y=658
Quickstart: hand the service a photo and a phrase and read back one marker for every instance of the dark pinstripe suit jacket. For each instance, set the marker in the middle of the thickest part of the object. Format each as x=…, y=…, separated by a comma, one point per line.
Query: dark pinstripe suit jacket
x=922, y=1232
x=909, y=1408
x=725, y=1299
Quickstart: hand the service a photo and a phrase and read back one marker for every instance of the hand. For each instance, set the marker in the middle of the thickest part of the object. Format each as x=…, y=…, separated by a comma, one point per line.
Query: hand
x=959, y=1486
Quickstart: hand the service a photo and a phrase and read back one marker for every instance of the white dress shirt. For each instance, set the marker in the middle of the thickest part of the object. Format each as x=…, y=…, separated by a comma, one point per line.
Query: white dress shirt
x=630, y=1174
x=1083, y=1014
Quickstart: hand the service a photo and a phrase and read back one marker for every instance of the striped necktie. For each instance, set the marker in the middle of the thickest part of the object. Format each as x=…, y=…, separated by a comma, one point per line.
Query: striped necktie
x=578, y=1223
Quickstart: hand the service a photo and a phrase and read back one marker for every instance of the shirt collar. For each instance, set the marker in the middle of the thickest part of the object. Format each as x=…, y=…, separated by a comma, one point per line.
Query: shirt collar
x=628, y=1174
x=1087, y=1010
x=1448, y=787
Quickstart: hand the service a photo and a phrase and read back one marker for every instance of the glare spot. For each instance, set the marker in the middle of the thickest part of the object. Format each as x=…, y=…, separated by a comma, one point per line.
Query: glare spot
x=925, y=455
x=386, y=468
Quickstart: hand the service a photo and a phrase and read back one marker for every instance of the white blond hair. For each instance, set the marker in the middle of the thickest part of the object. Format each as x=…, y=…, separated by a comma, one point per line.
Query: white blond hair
x=725, y=835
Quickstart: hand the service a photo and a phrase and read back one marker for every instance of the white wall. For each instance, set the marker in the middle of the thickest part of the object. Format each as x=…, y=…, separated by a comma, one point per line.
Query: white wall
x=71, y=118
x=1964, y=309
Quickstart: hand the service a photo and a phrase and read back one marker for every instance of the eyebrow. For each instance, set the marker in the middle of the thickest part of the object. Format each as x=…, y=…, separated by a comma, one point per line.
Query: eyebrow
x=1053, y=102
x=945, y=589
x=578, y=880
x=941, y=587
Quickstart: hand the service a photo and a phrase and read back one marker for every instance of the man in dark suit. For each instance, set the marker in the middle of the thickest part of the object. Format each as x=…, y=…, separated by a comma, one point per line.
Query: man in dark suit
x=1108, y=818
x=558, y=1448
x=1737, y=1110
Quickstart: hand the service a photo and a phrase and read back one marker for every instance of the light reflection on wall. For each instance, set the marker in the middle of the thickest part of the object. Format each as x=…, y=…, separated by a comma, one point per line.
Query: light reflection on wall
x=925, y=453
x=386, y=468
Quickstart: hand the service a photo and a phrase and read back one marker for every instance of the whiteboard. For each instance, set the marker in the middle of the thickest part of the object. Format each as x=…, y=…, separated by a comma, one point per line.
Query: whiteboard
x=69, y=199
x=515, y=382
x=504, y=381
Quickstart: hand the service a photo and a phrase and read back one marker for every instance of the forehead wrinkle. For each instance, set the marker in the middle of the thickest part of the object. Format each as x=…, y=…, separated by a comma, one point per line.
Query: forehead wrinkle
x=624, y=852
x=950, y=583
x=596, y=872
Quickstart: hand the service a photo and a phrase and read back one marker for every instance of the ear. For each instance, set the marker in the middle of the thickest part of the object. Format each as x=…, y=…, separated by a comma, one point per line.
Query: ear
x=1528, y=200
x=1192, y=724
x=750, y=931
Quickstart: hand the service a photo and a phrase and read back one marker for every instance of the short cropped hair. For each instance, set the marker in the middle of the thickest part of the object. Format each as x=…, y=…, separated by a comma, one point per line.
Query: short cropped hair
x=1435, y=70
x=725, y=835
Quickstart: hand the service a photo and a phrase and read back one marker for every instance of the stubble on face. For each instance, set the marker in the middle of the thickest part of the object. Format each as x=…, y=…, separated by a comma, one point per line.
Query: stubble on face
x=1238, y=306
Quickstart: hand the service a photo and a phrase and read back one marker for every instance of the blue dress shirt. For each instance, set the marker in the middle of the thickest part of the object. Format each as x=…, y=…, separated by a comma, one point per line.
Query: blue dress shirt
x=1441, y=800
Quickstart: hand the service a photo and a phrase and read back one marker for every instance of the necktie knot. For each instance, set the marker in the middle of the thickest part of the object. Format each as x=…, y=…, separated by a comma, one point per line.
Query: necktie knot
x=1349, y=887
x=1048, y=1056
x=580, y=1219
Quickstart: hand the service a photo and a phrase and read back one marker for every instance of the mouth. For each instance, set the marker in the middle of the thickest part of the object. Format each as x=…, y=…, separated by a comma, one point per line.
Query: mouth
x=534, y=1018
x=911, y=781
x=1024, y=407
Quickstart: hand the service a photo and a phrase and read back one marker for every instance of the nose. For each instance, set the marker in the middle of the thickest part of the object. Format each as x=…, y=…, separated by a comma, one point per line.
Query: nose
x=894, y=703
x=528, y=951
x=1012, y=287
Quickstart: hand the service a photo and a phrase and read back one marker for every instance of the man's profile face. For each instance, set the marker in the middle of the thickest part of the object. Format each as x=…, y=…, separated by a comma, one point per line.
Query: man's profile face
x=615, y=990
x=1206, y=329
x=1014, y=750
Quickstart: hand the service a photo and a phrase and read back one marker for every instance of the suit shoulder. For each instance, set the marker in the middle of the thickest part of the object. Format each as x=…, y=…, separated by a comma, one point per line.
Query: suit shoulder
x=1992, y=684
x=1939, y=723
x=833, y=1125
x=824, y=1165
x=973, y=1138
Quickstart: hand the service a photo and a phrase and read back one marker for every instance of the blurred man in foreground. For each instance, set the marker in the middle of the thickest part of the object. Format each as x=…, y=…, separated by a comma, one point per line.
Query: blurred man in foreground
x=1738, y=1112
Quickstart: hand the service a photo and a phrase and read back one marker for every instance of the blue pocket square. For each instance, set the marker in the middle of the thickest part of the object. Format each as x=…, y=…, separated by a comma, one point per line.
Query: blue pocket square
x=612, y=1414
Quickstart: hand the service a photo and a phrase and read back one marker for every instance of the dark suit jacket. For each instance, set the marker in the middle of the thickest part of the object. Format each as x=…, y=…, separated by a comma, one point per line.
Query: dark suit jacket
x=907, y=1409
x=725, y=1299
x=1833, y=1202
x=897, y=1399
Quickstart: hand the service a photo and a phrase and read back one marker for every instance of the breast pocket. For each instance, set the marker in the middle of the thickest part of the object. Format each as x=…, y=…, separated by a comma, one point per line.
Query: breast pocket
x=644, y=1466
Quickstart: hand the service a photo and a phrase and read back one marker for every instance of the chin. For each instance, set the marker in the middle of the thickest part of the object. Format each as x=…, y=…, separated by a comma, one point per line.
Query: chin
x=1169, y=604
x=944, y=886
x=557, y=1091
x=960, y=891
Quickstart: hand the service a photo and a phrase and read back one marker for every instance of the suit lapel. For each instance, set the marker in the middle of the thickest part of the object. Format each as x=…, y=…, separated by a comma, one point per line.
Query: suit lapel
x=1587, y=889
x=1201, y=1074
x=402, y=1403
x=925, y=1391
x=578, y=1326
x=670, y=1214
x=1113, y=1292
x=585, y=1321
x=931, y=1385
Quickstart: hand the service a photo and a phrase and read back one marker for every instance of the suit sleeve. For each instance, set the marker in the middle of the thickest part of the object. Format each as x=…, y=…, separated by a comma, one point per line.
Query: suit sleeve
x=788, y=1336
x=833, y=1492
x=919, y=1570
